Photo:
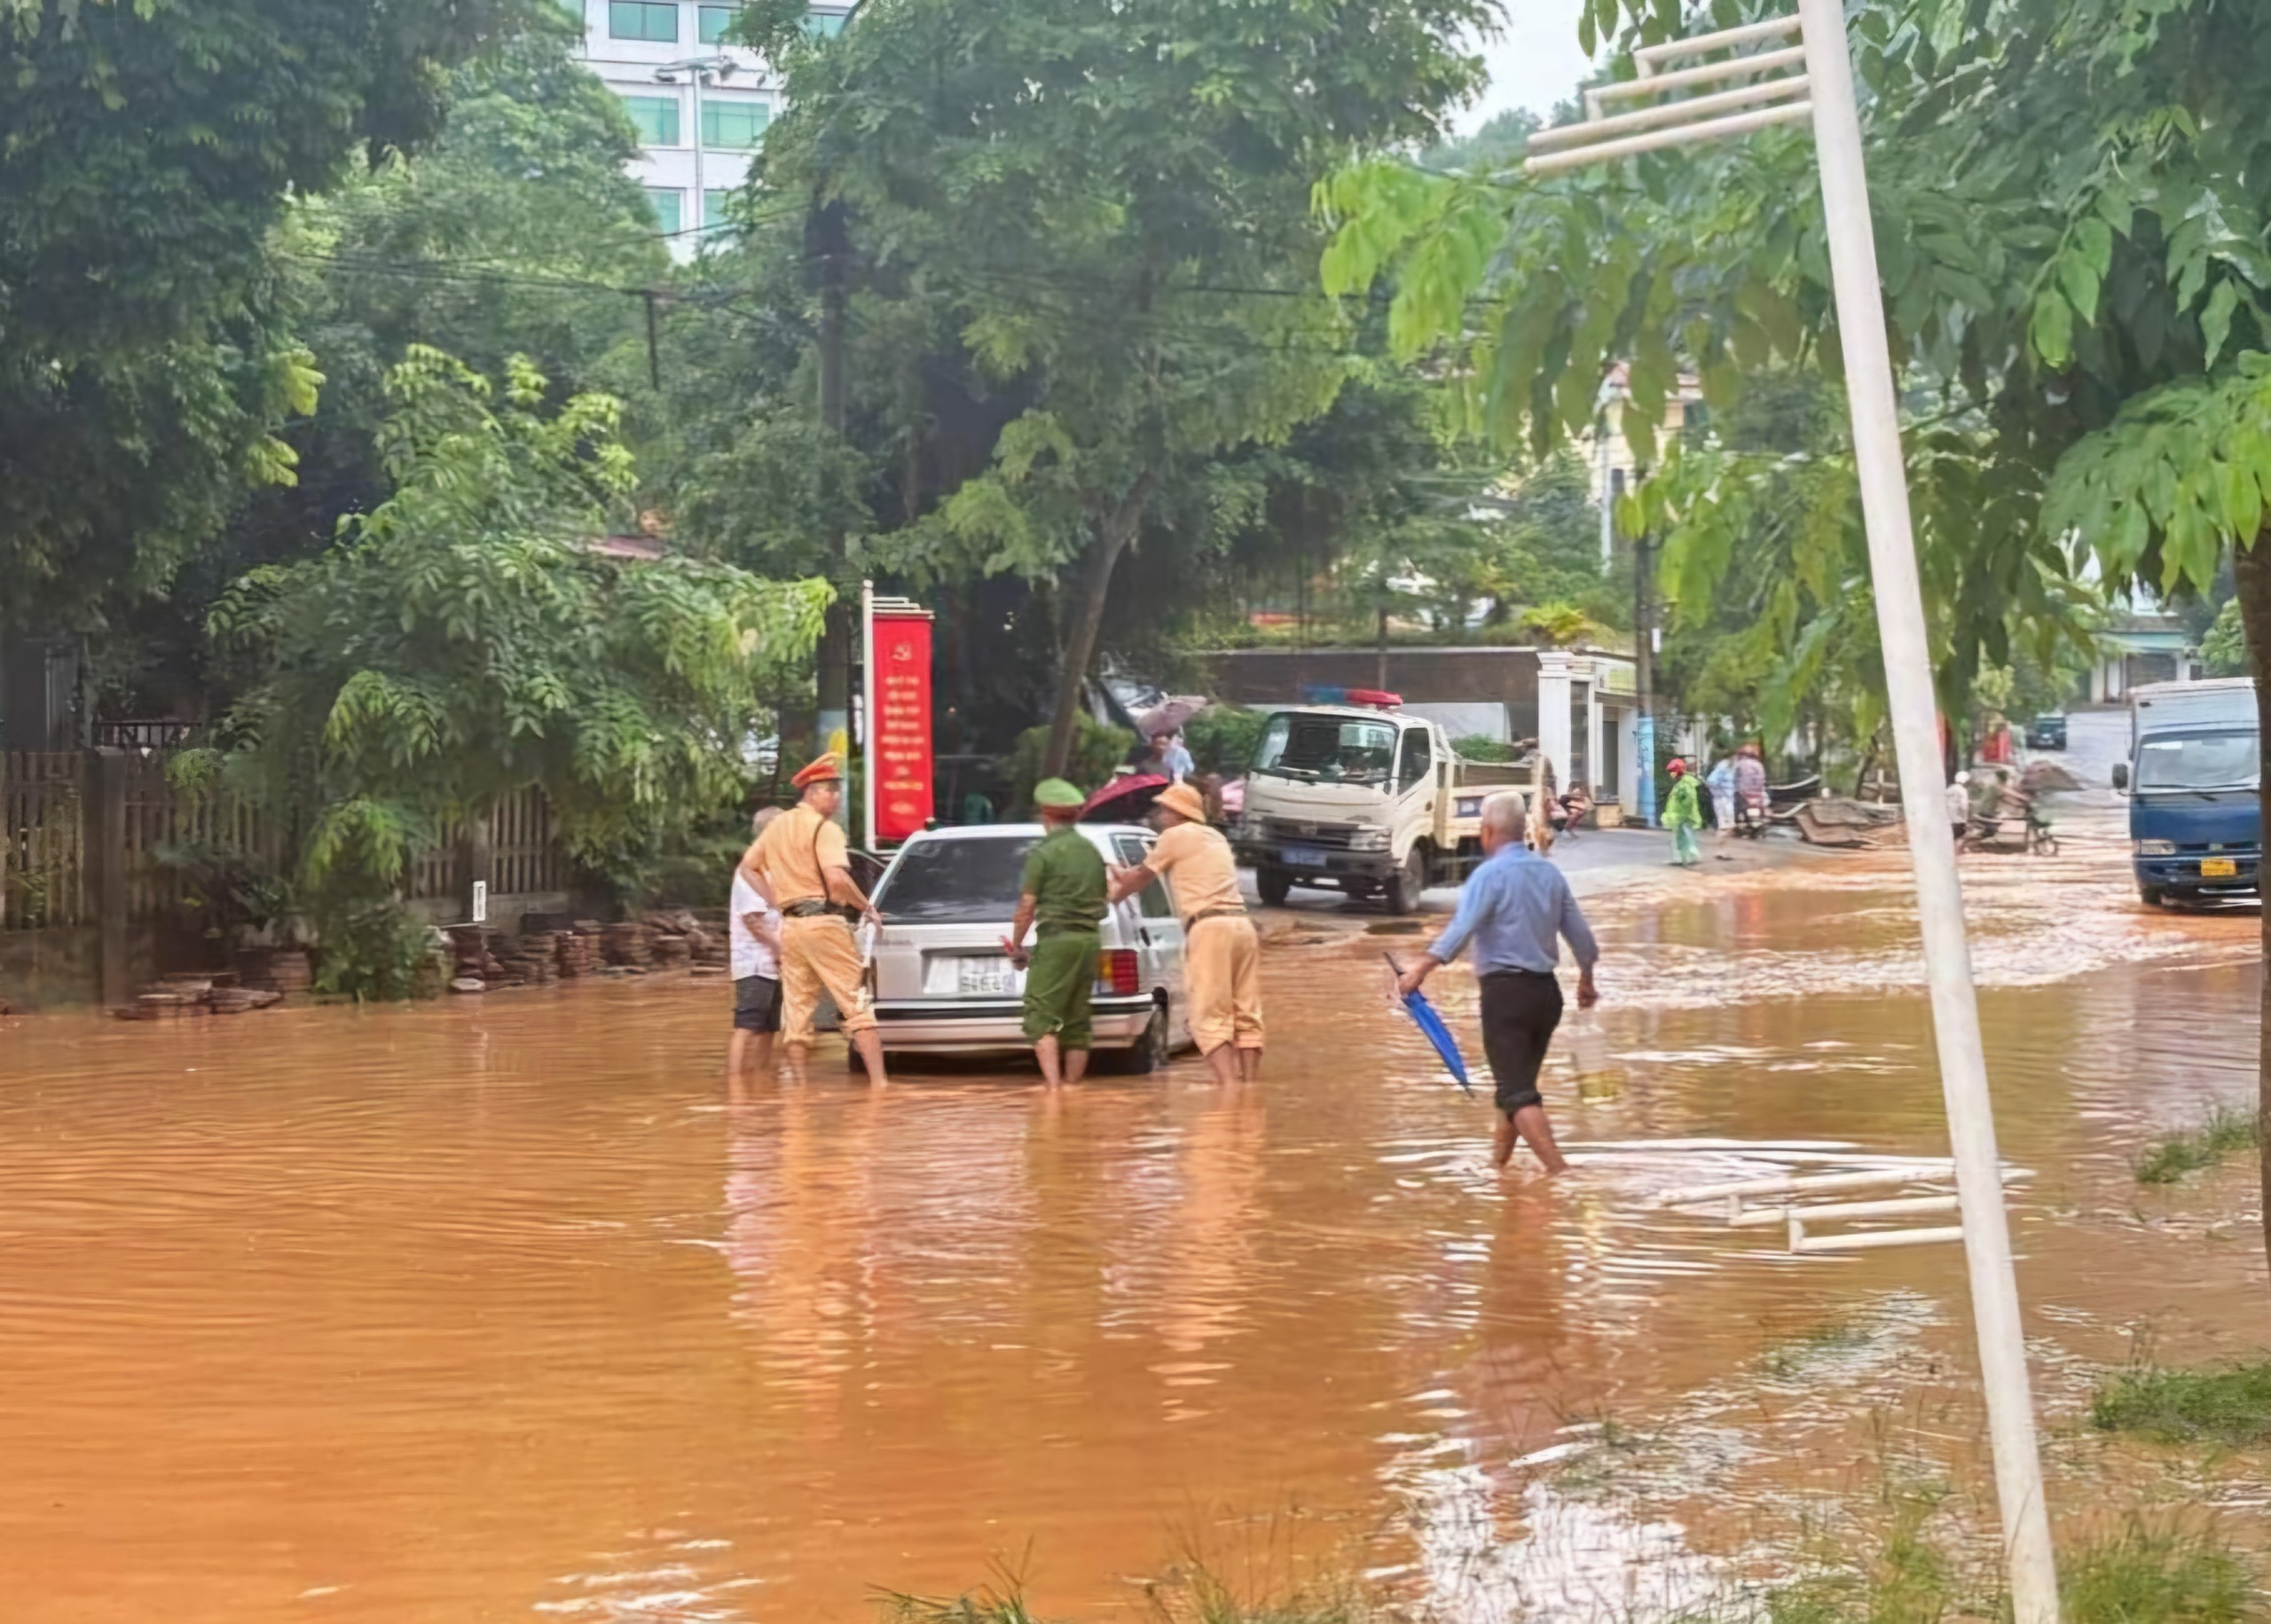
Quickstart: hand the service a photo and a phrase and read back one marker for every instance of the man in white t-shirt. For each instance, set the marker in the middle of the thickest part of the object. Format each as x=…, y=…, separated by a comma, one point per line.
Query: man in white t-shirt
x=754, y=929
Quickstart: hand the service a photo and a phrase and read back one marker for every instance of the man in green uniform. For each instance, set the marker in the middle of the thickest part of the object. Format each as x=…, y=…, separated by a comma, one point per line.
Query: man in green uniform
x=1062, y=902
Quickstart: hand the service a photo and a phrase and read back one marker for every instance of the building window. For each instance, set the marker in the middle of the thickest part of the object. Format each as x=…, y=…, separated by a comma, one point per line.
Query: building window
x=734, y=126
x=715, y=209
x=667, y=202
x=656, y=118
x=642, y=19
x=828, y=25
x=712, y=21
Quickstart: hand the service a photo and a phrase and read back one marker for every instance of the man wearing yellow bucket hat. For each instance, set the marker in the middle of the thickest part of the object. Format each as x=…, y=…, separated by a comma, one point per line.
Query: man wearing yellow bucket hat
x=1061, y=899
x=804, y=858
x=1221, y=952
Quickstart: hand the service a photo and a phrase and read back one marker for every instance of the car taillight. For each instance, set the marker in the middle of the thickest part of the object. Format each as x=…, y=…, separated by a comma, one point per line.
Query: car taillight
x=1116, y=969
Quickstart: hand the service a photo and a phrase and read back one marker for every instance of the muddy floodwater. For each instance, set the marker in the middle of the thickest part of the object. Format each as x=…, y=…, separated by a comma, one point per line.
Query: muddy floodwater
x=502, y=1309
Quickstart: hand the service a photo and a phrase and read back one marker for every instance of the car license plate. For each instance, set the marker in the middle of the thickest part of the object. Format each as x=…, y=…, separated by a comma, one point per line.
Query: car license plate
x=2218, y=869
x=1304, y=857
x=987, y=978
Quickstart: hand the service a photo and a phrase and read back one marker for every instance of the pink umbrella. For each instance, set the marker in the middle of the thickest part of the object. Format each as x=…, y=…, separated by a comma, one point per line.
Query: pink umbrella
x=1169, y=715
x=1127, y=796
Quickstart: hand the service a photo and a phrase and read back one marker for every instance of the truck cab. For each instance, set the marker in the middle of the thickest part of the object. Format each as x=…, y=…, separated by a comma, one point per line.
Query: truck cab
x=1364, y=798
x=2194, y=778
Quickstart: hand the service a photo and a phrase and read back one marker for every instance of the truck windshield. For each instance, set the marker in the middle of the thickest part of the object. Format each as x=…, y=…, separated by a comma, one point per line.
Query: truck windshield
x=971, y=881
x=1328, y=750
x=2198, y=761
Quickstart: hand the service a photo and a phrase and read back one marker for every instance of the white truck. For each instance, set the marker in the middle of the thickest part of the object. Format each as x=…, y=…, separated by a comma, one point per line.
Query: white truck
x=1364, y=798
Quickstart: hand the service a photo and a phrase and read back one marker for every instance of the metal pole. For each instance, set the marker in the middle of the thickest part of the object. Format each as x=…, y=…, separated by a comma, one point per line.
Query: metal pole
x=700, y=196
x=867, y=711
x=1939, y=896
x=1644, y=680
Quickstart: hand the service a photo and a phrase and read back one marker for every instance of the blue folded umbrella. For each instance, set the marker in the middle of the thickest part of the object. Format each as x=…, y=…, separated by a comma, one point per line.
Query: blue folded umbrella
x=1431, y=1025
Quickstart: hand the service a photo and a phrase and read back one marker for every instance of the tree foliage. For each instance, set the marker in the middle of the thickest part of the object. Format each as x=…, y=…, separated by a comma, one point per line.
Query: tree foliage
x=146, y=154
x=464, y=641
x=509, y=236
x=1091, y=215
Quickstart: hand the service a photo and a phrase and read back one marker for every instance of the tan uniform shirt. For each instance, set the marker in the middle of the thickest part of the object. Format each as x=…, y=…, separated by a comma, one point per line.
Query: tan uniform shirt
x=1197, y=862
x=796, y=852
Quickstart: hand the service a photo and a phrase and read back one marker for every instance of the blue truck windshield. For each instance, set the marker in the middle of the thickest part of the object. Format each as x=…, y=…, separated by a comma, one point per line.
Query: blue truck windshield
x=2198, y=761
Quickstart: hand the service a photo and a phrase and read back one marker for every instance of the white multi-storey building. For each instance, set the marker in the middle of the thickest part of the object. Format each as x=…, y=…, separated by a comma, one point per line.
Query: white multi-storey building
x=701, y=105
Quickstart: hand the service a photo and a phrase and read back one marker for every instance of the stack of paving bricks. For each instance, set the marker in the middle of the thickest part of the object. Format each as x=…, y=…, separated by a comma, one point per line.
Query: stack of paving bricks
x=473, y=965
x=627, y=945
x=579, y=953
x=531, y=959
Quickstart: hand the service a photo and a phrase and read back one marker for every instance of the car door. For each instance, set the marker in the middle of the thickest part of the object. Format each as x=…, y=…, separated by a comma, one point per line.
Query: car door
x=1158, y=936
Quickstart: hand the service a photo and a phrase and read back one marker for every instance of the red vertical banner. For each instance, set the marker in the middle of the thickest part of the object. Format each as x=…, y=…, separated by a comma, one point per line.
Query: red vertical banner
x=900, y=756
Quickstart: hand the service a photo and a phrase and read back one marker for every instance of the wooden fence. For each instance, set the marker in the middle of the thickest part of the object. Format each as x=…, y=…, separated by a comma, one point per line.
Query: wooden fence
x=53, y=840
x=43, y=839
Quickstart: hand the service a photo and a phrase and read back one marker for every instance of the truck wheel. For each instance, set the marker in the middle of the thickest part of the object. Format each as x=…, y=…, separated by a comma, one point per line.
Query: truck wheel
x=1404, y=886
x=1275, y=884
x=2152, y=896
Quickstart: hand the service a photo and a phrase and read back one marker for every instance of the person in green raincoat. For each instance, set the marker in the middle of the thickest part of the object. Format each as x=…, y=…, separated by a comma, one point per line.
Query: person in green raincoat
x=1683, y=816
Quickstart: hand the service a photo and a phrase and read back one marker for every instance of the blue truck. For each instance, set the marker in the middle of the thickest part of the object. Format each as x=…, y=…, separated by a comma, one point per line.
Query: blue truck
x=2194, y=778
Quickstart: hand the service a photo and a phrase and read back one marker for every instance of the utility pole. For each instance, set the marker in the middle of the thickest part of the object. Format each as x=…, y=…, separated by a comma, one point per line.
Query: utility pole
x=827, y=241
x=1644, y=677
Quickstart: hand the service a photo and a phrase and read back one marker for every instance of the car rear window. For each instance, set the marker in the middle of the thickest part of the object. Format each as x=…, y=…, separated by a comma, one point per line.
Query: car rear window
x=951, y=881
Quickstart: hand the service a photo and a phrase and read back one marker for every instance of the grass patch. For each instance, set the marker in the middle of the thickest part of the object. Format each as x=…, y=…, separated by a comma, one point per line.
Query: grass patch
x=2231, y=1405
x=2155, y=1576
x=2224, y=1130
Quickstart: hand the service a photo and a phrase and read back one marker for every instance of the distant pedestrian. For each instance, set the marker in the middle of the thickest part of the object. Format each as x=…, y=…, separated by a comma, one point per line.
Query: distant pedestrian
x=1750, y=782
x=806, y=862
x=1721, y=782
x=1221, y=951
x=1513, y=907
x=1683, y=816
x=1960, y=805
x=1174, y=758
x=753, y=933
x=1545, y=795
x=1061, y=900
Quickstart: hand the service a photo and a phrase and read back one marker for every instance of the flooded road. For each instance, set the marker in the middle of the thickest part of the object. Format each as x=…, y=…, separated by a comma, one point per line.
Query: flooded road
x=500, y=1309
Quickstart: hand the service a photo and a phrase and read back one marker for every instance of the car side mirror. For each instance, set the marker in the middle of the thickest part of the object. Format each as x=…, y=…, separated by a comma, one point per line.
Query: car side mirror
x=2121, y=775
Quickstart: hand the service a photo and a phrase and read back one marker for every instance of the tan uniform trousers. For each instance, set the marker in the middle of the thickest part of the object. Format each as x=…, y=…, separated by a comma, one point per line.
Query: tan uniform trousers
x=1222, y=973
x=818, y=953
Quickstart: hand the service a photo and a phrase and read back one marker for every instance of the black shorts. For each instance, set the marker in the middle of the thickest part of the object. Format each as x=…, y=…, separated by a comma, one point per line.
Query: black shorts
x=757, y=1004
x=1520, y=1012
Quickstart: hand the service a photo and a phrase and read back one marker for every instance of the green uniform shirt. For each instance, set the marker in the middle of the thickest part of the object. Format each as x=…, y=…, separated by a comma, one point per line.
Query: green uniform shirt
x=1064, y=876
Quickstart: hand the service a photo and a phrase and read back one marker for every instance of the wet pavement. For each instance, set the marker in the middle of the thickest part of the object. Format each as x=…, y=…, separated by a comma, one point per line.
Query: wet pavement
x=505, y=1307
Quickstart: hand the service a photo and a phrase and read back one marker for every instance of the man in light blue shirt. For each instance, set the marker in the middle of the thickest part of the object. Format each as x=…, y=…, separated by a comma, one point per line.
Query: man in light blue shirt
x=1516, y=909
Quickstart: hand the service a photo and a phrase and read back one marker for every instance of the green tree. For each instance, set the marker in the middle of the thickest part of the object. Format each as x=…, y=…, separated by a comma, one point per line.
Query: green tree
x=146, y=154
x=463, y=640
x=2223, y=651
x=509, y=235
x=2071, y=203
x=1103, y=204
x=1499, y=144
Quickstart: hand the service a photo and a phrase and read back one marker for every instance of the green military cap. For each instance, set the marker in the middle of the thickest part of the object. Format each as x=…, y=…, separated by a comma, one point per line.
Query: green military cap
x=1057, y=792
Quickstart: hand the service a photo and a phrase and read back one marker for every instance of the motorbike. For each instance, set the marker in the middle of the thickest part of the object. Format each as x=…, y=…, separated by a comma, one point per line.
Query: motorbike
x=2029, y=833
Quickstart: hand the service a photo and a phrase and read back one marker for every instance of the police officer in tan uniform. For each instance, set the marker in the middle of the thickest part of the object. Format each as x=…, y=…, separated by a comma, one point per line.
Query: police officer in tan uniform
x=804, y=859
x=1222, y=950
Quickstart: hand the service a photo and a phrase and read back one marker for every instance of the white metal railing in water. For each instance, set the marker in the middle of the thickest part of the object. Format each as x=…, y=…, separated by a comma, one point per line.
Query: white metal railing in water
x=1799, y=1216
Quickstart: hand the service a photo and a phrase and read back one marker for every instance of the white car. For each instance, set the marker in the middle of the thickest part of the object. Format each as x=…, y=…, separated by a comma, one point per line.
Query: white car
x=942, y=984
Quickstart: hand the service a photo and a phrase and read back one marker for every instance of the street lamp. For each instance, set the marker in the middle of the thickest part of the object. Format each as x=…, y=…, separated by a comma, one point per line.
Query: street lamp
x=1821, y=89
x=698, y=71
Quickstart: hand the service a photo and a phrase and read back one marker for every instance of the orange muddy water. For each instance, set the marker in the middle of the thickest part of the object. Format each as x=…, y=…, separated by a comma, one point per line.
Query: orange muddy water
x=499, y=1308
